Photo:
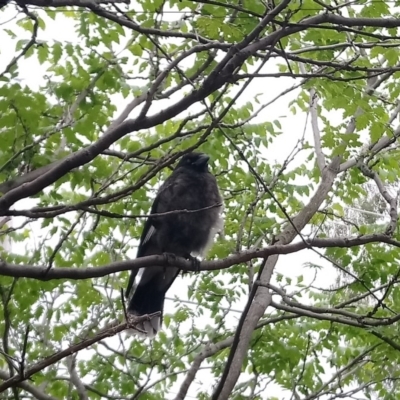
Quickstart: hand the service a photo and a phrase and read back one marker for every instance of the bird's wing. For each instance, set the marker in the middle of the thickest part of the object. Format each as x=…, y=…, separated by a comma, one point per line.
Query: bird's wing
x=160, y=204
x=149, y=229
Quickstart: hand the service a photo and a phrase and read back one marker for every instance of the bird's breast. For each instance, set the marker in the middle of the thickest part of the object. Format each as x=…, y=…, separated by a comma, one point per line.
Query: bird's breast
x=193, y=229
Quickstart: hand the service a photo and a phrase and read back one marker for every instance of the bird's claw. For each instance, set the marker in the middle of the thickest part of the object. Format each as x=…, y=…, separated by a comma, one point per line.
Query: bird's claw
x=169, y=258
x=195, y=263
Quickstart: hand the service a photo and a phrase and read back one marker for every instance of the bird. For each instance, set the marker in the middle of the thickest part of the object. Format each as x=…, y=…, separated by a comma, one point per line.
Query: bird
x=191, y=186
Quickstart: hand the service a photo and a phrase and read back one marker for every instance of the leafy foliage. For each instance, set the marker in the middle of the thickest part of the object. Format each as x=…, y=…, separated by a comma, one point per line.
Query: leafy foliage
x=98, y=100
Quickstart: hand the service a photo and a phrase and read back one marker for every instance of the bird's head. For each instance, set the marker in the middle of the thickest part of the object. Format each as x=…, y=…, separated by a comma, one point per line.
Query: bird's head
x=194, y=161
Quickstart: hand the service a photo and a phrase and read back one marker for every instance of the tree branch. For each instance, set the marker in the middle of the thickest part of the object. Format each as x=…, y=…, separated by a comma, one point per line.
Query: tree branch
x=392, y=201
x=221, y=74
x=107, y=332
x=33, y=390
x=39, y=272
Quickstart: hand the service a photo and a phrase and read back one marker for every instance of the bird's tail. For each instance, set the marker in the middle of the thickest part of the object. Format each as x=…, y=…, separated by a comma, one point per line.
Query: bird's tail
x=146, y=329
x=147, y=300
x=149, y=297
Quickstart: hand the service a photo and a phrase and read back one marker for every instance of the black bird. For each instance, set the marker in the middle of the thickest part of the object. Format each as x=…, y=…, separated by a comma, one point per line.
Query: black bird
x=190, y=187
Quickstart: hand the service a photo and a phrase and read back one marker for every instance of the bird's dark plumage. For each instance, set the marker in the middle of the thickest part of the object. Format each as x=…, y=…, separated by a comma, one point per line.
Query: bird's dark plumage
x=190, y=187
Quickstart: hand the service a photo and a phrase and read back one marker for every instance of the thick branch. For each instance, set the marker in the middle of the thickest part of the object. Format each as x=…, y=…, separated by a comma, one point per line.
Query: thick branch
x=41, y=273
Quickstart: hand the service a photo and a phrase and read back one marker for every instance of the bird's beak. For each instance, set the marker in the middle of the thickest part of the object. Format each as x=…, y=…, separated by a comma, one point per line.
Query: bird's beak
x=202, y=160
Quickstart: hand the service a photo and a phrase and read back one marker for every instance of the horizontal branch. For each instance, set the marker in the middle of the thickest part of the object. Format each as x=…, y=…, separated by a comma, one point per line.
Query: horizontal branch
x=334, y=311
x=355, y=322
x=38, y=213
x=41, y=272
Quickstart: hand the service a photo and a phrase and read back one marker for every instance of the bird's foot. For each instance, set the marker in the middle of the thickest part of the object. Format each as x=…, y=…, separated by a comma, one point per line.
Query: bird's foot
x=170, y=258
x=195, y=262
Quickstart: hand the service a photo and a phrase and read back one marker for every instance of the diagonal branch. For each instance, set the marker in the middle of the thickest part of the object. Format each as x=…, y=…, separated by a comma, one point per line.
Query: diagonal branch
x=107, y=332
x=28, y=387
x=211, y=349
x=31, y=42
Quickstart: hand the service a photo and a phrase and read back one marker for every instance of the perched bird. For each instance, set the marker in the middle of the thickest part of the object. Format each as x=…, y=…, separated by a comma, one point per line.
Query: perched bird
x=190, y=187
